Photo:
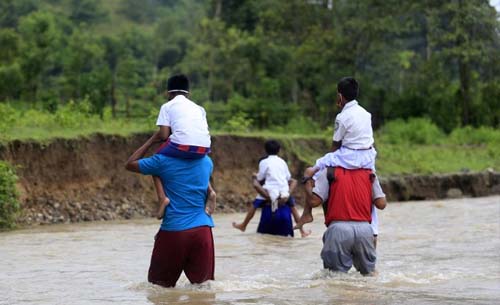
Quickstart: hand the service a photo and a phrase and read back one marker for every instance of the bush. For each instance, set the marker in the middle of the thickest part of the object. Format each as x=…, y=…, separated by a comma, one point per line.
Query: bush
x=9, y=204
x=8, y=117
x=238, y=123
x=413, y=131
x=470, y=135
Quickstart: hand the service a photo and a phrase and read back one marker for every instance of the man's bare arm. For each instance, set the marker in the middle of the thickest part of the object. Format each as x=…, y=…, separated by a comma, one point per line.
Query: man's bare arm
x=380, y=203
x=132, y=163
x=292, y=184
x=258, y=187
x=312, y=199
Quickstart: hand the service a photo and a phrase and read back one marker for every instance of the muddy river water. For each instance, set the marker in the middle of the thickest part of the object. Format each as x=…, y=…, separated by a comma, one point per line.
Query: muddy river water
x=429, y=252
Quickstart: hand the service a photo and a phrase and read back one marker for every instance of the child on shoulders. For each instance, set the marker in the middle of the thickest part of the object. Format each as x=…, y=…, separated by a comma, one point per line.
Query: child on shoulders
x=352, y=139
x=183, y=125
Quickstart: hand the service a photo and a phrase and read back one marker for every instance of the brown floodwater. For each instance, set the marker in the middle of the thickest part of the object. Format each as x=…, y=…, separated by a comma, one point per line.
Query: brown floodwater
x=429, y=252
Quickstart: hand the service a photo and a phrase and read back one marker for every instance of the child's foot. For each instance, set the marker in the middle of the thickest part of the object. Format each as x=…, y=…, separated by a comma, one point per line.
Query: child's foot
x=304, y=233
x=211, y=203
x=239, y=226
x=305, y=218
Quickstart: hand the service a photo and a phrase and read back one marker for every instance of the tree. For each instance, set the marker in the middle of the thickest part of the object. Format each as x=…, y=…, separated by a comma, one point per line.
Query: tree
x=88, y=11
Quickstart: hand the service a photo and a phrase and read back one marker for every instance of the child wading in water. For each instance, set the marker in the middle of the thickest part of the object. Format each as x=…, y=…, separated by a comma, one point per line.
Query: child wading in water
x=274, y=196
x=183, y=126
x=352, y=139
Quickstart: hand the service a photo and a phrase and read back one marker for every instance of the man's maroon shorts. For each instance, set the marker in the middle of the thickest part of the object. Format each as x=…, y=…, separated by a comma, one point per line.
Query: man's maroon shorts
x=191, y=251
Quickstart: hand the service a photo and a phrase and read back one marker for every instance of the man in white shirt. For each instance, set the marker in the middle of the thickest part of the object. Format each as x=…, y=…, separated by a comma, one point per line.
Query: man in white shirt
x=277, y=186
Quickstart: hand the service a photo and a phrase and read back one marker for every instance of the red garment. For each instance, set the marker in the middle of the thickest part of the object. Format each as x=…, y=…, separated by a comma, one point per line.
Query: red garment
x=191, y=251
x=350, y=196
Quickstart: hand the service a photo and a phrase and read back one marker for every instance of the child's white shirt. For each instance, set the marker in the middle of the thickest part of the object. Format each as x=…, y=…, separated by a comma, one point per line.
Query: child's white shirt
x=276, y=174
x=187, y=121
x=353, y=126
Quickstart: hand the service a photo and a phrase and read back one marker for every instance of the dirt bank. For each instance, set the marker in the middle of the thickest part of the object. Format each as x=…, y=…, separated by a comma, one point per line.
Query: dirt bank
x=83, y=179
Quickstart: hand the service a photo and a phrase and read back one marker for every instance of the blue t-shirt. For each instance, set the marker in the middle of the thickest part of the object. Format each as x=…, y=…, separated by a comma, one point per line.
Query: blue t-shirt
x=185, y=182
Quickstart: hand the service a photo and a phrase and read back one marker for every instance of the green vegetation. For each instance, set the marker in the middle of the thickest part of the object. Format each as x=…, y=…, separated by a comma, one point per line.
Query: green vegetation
x=9, y=204
x=429, y=71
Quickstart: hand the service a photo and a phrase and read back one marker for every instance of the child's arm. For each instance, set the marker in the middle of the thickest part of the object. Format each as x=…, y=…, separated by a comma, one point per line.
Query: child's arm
x=164, y=133
x=163, y=200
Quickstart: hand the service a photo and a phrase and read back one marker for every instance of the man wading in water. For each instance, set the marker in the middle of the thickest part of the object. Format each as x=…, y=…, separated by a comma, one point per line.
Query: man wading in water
x=184, y=241
x=347, y=196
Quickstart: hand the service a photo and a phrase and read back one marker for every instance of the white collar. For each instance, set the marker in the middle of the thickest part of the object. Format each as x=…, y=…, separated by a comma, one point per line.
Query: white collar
x=350, y=104
x=178, y=97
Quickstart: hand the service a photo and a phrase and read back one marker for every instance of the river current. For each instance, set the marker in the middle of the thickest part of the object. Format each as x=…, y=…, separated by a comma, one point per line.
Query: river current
x=429, y=252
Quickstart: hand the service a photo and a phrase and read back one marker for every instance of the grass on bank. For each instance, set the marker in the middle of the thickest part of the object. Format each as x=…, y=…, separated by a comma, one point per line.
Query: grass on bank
x=404, y=147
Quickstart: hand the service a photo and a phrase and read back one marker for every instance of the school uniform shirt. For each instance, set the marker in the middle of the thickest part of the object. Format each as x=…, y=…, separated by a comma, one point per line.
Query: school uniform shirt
x=274, y=171
x=187, y=121
x=322, y=189
x=353, y=126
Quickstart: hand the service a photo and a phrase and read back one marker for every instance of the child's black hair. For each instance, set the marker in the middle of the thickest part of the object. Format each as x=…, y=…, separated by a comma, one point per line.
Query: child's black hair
x=272, y=147
x=179, y=83
x=349, y=88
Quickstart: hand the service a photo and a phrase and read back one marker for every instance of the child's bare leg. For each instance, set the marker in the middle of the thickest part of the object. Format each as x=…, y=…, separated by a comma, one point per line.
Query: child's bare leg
x=250, y=213
x=162, y=207
x=307, y=213
x=163, y=200
x=296, y=217
x=211, y=200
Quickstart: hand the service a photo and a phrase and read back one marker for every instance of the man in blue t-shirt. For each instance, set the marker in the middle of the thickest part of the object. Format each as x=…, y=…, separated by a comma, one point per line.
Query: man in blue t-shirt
x=185, y=240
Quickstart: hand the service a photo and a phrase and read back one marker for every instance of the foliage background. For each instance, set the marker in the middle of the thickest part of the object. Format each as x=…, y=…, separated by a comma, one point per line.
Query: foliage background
x=429, y=71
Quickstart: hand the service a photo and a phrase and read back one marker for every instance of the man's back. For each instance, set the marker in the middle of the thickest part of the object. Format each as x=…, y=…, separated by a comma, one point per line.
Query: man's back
x=185, y=183
x=350, y=196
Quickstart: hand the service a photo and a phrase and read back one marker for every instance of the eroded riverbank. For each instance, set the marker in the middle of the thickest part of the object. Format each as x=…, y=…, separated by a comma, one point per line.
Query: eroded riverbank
x=72, y=180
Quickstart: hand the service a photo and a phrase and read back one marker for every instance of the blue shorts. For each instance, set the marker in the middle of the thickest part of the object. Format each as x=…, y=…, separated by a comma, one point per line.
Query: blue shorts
x=174, y=150
x=277, y=223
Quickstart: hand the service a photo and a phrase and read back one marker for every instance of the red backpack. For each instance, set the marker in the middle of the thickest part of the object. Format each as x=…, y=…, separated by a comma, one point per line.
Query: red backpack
x=350, y=196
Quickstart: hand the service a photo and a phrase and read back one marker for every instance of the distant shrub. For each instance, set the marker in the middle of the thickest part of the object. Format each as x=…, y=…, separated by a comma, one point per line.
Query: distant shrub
x=300, y=125
x=9, y=204
x=238, y=123
x=73, y=114
x=470, y=135
x=8, y=117
x=413, y=131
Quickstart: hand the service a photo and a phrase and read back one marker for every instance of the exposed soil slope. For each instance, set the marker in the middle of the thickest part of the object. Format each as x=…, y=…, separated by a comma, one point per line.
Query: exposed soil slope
x=84, y=179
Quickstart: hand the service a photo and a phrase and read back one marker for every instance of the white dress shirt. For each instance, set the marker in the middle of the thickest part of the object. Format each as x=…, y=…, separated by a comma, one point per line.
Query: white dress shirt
x=274, y=171
x=187, y=121
x=353, y=126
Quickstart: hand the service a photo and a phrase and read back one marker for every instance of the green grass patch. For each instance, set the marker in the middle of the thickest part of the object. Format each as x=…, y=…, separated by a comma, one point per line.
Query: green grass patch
x=9, y=202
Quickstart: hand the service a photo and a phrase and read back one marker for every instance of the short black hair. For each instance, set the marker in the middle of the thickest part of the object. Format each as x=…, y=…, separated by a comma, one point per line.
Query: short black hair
x=178, y=83
x=349, y=88
x=272, y=147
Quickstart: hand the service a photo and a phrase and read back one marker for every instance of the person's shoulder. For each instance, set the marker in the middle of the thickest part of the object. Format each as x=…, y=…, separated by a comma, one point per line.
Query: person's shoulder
x=263, y=158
